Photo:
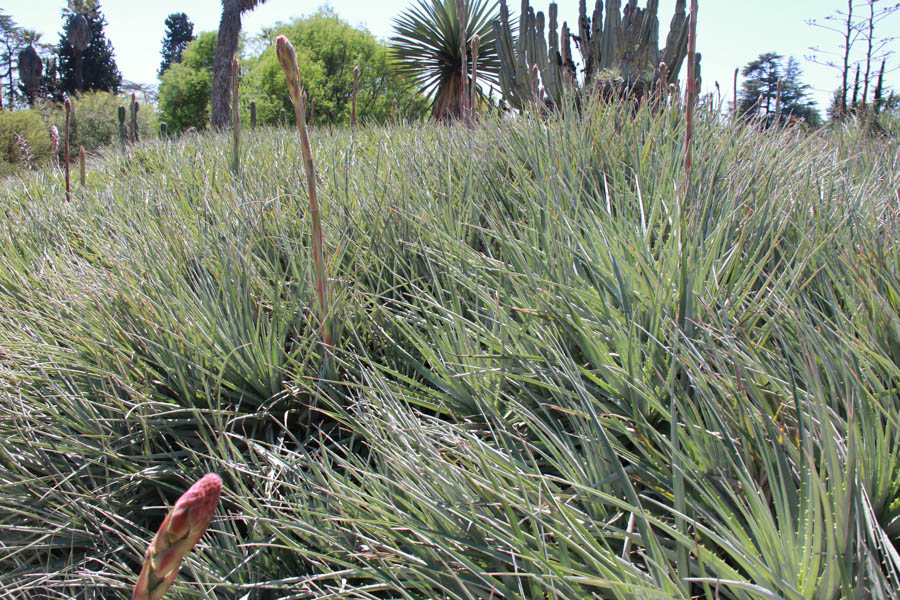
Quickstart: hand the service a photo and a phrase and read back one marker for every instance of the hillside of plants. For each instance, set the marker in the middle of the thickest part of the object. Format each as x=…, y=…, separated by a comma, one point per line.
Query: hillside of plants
x=596, y=339
x=554, y=375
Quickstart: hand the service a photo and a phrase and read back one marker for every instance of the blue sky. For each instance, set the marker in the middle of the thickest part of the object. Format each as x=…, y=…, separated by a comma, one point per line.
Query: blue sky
x=730, y=32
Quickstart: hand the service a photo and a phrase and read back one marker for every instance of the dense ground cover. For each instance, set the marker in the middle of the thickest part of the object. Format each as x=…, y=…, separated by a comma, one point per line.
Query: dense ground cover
x=554, y=376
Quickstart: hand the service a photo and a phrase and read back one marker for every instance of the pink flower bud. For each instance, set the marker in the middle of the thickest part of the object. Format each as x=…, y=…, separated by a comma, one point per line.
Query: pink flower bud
x=179, y=532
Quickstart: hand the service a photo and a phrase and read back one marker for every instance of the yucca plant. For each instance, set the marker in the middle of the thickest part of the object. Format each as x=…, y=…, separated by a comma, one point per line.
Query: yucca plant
x=426, y=43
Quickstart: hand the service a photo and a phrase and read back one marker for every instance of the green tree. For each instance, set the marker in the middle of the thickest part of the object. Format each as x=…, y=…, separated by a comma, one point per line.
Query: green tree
x=328, y=49
x=185, y=87
x=759, y=90
x=179, y=33
x=99, y=70
x=427, y=45
x=11, y=43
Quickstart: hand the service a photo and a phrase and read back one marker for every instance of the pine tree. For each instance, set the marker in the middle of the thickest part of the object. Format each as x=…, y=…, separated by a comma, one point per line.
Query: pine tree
x=759, y=91
x=99, y=70
x=179, y=32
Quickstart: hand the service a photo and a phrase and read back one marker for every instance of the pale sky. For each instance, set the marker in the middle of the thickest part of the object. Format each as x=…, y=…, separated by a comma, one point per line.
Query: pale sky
x=730, y=32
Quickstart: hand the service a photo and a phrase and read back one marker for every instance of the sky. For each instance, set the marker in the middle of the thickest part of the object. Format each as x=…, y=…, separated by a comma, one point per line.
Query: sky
x=730, y=32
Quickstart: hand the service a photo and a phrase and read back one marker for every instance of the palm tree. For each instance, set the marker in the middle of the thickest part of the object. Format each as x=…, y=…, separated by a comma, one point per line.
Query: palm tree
x=427, y=47
x=226, y=44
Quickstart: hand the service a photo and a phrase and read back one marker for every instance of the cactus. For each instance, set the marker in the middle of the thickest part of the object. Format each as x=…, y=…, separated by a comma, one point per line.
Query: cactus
x=82, y=157
x=123, y=134
x=134, y=111
x=625, y=44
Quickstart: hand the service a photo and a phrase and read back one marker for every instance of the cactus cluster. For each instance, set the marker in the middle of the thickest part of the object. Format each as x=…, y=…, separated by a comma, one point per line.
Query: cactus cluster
x=623, y=43
x=123, y=133
x=519, y=57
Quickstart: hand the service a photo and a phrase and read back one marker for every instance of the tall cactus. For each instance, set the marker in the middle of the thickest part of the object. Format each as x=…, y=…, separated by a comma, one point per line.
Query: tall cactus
x=623, y=41
x=123, y=134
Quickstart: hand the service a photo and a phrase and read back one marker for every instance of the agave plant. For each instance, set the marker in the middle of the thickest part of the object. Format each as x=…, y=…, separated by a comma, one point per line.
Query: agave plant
x=427, y=46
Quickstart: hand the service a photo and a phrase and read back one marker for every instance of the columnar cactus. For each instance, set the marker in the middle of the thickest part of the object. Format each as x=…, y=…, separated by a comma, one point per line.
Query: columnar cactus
x=134, y=124
x=625, y=42
x=123, y=134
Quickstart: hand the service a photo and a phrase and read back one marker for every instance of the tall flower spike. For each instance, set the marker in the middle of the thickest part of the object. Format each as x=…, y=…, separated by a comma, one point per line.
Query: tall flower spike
x=181, y=529
x=288, y=60
x=66, y=155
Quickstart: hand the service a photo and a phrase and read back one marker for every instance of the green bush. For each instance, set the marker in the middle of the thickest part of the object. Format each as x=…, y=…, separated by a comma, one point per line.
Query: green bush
x=29, y=125
x=185, y=87
x=94, y=122
x=184, y=97
x=328, y=49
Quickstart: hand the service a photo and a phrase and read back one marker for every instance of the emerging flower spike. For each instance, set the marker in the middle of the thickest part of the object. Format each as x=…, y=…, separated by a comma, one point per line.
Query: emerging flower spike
x=288, y=59
x=181, y=529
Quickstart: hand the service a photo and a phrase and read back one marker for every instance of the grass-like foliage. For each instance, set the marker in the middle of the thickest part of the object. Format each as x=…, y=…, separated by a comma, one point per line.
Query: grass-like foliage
x=553, y=375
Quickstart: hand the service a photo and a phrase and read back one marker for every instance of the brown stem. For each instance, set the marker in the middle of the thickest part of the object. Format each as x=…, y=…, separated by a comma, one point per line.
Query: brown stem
x=68, y=116
x=355, y=84
x=288, y=60
x=690, y=93
x=235, y=115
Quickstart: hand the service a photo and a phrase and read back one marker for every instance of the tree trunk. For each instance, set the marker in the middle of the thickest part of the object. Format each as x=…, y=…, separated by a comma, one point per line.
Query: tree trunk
x=447, y=104
x=79, y=70
x=869, y=52
x=846, y=67
x=226, y=45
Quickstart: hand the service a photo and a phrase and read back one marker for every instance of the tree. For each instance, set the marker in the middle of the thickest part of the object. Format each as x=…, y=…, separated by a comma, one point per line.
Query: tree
x=328, y=49
x=856, y=23
x=427, y=45
x=760, y=90
x=185, y=86
x=10, y=46
x=99, y=70
x=226, y=45
x=179, y=32
x=13, y=40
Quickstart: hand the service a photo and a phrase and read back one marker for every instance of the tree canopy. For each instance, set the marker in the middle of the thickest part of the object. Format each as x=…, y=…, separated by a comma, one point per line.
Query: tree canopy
x=185, y=86
x=179, y=32
x=759, y=91
x=328, y=49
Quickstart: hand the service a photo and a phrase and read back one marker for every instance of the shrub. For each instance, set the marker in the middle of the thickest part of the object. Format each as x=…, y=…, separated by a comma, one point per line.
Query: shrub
x=328, y=49
x=185, y=87
x=94, y=122
x=184, y=97
x=29, y=125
